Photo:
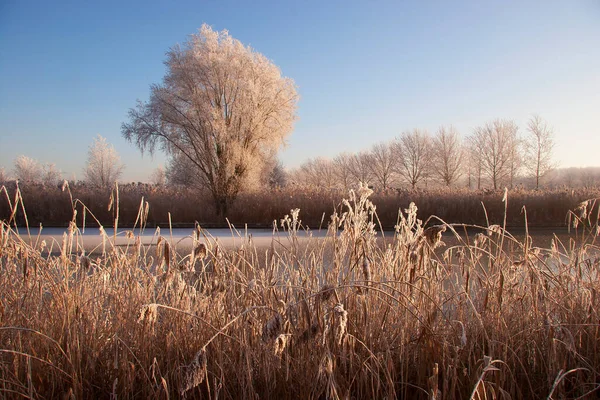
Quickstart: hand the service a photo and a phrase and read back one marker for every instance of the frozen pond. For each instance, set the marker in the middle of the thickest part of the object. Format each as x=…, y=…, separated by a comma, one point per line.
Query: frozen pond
x=91, y=239
x=181, y=238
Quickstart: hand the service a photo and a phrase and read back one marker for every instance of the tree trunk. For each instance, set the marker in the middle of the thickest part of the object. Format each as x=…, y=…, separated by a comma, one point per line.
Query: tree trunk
x=222, y=203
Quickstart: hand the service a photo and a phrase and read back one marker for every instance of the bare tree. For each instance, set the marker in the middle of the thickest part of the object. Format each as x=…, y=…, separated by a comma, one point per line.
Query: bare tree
x=342, y=164
x=447, y=155
x=158, y=176
x=222, y=106
x=317, y=173
x=360, y=168
x=515, y=163
x=27, y=169
x=103, y=167
x=589, y=177
x=496, y=145
x=382, y=164
x=474, y=163
x=3, y=176
x=538, y=149
x=51, y=175
x=413, y=151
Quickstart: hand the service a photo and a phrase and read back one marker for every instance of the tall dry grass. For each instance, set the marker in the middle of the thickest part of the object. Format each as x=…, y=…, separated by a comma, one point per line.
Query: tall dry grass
x=347, y=316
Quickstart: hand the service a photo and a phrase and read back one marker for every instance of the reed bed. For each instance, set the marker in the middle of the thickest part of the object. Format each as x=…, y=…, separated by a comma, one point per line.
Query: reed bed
x=347, y=316
x=51, y=206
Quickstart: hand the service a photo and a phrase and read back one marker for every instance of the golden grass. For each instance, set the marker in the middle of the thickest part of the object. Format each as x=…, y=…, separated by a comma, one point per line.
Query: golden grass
x=348, y=316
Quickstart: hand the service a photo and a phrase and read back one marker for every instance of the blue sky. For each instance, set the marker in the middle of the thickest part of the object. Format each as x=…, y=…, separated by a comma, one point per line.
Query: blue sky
x=365, y=71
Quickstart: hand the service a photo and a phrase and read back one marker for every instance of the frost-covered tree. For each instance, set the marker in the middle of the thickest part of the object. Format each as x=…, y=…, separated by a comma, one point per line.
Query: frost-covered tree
x=474, y=163
x=413, y=152
x=538, y=149
x=447, y=156
x=274, y=174
x=342, y=168
x=360, y=168
x=27, y=169
x=51, y=175
x=496, y=145
x=318, y=173
x=103, y=166
x=222, y=106
x=3, y=176
x=382, y=164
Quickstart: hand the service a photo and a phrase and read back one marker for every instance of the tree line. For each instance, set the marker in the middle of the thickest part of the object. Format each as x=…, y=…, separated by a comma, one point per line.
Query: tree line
x=494, y=155
x=103, y=168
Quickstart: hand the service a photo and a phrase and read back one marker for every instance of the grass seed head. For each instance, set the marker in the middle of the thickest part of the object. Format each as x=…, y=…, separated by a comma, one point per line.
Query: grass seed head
x=582, y=209
x=196, y=371
x=148, y=314
x=433, y=235
x=497, y=229
x=280, y=344
x=200, y=251
x=340, y=322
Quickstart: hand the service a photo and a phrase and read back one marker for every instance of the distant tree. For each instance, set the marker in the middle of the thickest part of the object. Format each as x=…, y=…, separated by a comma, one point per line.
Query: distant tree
x=589, y=177
x=222, y=106
x=474, y=163
x=317, y=173
x=275, y=175
x=343, y=170
x=447, y=155
x=158, y=176
x=382, y=164
x=103, y=166
x=538, y=144
x=496, y=145
x=413, y=152
x=3, y=176
x=182, y=171
x=360, y=168
x=27, y=169
x=51, y=175
x=515, y=163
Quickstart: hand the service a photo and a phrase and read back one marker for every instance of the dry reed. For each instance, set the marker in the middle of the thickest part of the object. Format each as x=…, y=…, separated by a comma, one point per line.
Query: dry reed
x=350, y=315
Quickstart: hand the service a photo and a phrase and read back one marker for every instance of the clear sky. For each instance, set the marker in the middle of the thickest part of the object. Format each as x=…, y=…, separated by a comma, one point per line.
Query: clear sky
x=365, y=71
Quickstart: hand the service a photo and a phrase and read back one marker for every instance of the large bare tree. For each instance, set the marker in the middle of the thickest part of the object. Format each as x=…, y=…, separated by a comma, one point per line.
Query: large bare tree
x=497, y=147
x=103, y=167
x=222, y=106
x=447, y=156
x=382, y=164
x=413, y=152
x=538, y=144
